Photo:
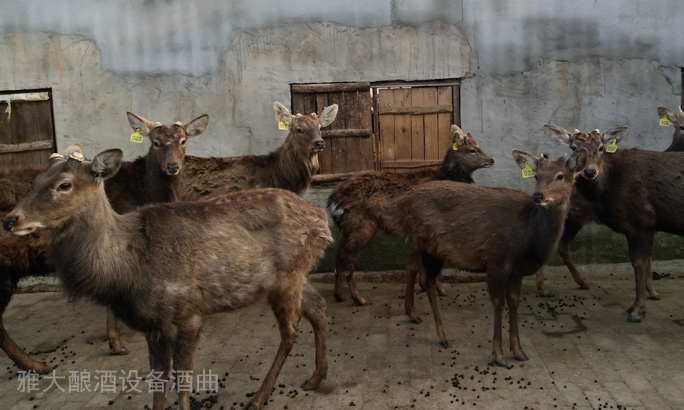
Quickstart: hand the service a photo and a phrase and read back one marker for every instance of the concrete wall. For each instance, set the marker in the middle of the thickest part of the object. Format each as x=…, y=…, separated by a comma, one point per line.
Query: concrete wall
x=580, y=64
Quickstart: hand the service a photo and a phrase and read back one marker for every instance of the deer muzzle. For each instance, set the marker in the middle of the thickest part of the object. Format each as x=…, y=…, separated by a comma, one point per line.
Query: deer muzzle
x=9, y=222
x=319, y=146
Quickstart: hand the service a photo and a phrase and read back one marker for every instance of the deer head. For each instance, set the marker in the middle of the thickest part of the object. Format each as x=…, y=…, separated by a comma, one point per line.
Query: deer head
x=594, y=143
x=554, y=178
x=465, y=153
x=69, y=188
x=305, y=130
x=168, y=141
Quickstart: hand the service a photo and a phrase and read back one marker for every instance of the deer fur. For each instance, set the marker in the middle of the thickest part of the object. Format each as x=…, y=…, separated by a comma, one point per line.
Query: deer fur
x=637, y=193
x=505, y=233
x=365, y=203
x=152, y=178
x=163, y=267
x=289, y=167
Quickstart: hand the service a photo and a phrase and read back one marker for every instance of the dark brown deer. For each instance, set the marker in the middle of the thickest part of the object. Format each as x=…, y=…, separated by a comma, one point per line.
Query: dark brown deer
x=637, y=193
x=505, y=233
x=163, y=267
x=677, y=122
x=148, y=179
x=581, y=212
x=365, y=204
x=289, y=167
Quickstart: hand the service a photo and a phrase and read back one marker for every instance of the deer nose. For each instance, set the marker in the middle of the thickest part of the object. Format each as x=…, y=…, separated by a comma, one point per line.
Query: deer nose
x=590, y=173
x=9, y=222
x=172, y=168
x=319, y=145
x=537, y=197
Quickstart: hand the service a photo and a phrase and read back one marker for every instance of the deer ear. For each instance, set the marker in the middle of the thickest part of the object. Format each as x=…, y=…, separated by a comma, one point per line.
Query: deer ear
x=106, y=164
x=578, y=160
x=282, y=113
x=522, y=158
x=457, y=135
x=328, y=115
x=557, y=133
x=196, y=126
x=617, y=134
x=138, y=122
x=663, y=111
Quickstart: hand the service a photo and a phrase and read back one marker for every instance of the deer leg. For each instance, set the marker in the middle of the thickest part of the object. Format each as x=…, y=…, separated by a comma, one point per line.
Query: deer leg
x=432, y=268
x=569, y=233
x=113, y=335
x=414, y=264
x=497, y=292
x=640, y=253
x=350, y=246
x=539, y=281
x=160, y=365
x=183, y=357
x=313, y=309
x=513, y=299
x=14, y=352
x=286, y=304
x=438, y=284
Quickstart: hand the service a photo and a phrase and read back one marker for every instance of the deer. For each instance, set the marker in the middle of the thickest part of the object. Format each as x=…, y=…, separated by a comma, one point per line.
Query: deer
x=151, y=178
x=163, y=267
x=634, y=192
x=505, y=233
x=365, y=204
x=677, y=121
x=291, y=166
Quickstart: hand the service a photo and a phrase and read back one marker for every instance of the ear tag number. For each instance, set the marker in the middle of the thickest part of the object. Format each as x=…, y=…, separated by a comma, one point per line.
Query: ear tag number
x=455, y=146
x=282, y=125
x=665, y=122
x=136, y=136
x=528, y=172
x=612, y=147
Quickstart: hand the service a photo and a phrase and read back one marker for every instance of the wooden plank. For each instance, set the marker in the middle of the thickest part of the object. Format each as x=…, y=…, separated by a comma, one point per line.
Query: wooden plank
x=456, y=101
x=417, y=110
x=444, y=120
x=338, y=147
x=354, y=110
x=29, y=96
x=367, y=146
x=417, y=128
x=328, y=88
x=27, y=146
x=410, y=164
x=402, y=125
x=349, y=133
x=386, y=127
x=431, y=126
x=30, y=122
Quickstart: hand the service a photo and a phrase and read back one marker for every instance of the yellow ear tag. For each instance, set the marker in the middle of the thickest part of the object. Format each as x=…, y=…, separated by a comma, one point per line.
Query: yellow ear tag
x=665, y=122
x=137, y=137
x=528, y=172
x=282, y=125
x=612, y=147
x=455, y=146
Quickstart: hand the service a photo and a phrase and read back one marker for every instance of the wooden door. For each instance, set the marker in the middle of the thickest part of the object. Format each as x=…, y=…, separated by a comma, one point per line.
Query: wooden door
x=27, y=136
x=349, y=143
x=414, y=126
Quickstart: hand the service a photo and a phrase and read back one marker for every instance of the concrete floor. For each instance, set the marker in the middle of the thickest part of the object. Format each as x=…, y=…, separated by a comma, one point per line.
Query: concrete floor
x=583, y=354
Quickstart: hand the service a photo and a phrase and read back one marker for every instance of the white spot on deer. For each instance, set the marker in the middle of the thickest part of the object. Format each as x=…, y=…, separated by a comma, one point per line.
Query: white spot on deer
x=334, y=210
x=176, y=289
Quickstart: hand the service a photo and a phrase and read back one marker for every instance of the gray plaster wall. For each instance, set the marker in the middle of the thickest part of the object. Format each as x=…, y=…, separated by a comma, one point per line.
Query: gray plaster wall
x=580, y=64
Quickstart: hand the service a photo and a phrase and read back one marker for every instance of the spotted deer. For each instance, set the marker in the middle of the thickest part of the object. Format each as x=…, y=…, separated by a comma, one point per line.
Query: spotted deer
x=364, y=204
x=162, y=267
x=505, y=233
x=290, y=167
x=149, y=179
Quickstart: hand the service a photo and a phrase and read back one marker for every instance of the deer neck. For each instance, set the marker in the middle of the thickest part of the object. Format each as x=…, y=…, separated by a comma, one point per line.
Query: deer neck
x=293, y=169
x=160, y=186
x=545, y=229
x=92, y=251
x=456, y=173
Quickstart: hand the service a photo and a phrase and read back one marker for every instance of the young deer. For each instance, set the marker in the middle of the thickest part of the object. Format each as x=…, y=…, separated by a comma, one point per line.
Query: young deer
x=505, y=233
x=163, y=267
x=148, y=179
x=634, y=192
x=365, y=203
x=289, y=167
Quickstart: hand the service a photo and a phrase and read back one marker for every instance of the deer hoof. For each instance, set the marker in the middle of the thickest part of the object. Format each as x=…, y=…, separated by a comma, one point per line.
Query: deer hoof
x=252, y=406
x=584, y=286
x=339, y=297
x=308, y=385
x=500, y=363
x=120, y=352
x=43, y=368
x=630, y=310
x=654, y=297
x=444, y=344
x=522, y=357
x=417, y=320
x=360, y=301
x=633, y=318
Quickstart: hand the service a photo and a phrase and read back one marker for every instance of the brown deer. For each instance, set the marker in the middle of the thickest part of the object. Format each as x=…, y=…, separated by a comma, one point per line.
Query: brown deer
x=505, y=233
x=365, y=203
x=148, y=179
x=163, y=267
x=581, y=212
x=289, y=167
x=634, y=192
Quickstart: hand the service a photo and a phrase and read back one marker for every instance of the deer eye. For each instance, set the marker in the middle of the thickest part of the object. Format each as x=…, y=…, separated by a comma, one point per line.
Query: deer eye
x=300, y=131
x=601, y=148
x=183, y=142
x=157, y=143
x=473, y=150
x=64, y=186
x=559, y=177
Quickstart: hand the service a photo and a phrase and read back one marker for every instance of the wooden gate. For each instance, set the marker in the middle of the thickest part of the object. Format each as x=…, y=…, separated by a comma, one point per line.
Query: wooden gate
x=27, y=133
x=349, y=144
x=414, y=126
